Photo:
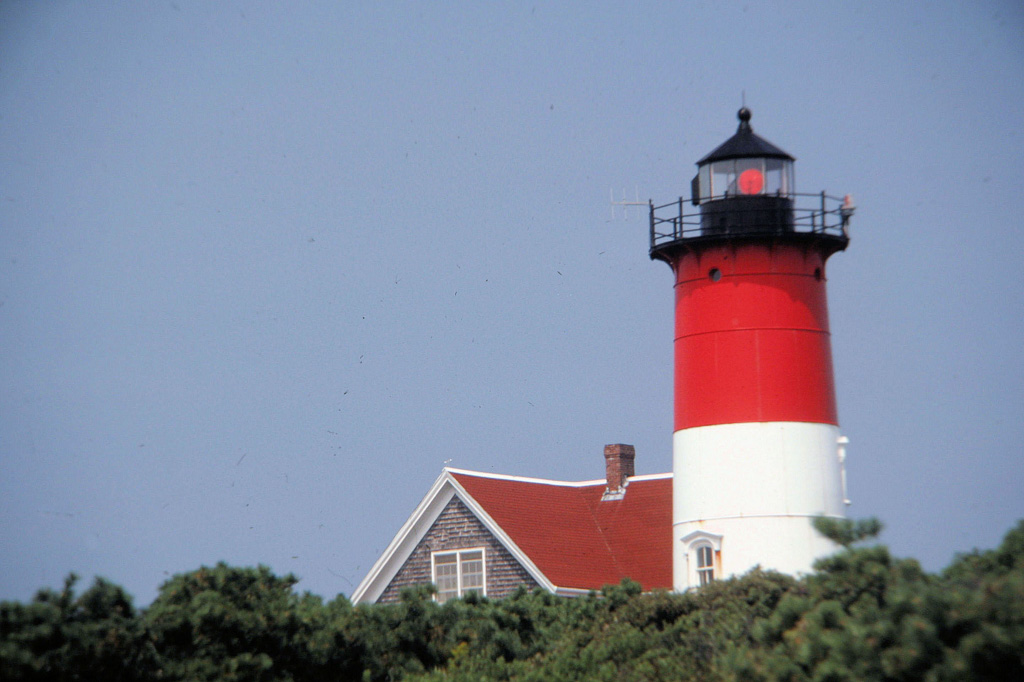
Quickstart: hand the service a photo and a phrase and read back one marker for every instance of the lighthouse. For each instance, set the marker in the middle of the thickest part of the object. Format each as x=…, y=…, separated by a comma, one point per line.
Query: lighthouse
x=757, y=452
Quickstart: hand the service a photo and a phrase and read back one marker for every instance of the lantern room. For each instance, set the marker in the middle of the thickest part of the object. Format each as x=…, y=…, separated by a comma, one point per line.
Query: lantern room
x=744, y=190
x=745, y=165
x=745, y=186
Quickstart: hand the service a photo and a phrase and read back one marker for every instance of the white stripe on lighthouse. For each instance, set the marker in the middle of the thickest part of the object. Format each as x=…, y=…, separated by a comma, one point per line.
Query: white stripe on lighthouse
x=757, y=486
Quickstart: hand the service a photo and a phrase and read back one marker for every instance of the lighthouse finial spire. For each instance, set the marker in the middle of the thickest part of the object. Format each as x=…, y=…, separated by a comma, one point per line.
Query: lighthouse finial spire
x=744, y=116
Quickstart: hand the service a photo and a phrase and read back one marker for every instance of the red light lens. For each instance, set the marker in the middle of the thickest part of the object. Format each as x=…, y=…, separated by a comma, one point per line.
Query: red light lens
x=751, y=181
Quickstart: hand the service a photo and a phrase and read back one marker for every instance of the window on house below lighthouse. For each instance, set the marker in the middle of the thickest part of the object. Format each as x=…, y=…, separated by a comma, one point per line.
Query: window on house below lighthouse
x=705, y=564
x=457, y=573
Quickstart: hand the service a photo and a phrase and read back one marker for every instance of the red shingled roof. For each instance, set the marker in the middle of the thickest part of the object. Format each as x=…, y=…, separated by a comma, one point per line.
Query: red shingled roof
x=576, y=539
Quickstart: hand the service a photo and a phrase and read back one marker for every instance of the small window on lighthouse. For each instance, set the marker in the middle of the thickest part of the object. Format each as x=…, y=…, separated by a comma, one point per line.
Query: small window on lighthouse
x=705, y=564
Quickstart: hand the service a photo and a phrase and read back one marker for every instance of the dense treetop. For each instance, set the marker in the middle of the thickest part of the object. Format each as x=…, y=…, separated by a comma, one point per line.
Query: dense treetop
x=862, y=615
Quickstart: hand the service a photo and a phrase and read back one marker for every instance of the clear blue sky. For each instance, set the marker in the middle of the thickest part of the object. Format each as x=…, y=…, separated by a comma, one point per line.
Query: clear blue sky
x=267, y=267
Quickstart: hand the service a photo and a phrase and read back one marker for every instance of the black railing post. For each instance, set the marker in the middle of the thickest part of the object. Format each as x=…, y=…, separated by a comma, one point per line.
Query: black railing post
x=650, y=206
x=823, y=225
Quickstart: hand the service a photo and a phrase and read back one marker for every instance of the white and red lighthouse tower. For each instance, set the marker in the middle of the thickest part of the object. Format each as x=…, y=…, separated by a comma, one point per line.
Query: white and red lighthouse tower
x=756, y=448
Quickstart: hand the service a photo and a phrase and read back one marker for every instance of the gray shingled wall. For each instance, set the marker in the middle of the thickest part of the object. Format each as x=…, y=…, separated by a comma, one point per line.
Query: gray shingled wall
x=457, y=528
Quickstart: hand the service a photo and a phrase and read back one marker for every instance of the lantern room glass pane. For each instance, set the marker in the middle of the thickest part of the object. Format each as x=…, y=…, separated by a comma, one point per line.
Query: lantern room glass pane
x=778, y=177
x=723, y=176
x=749, y=177
x=704, y=180
x=730, y=178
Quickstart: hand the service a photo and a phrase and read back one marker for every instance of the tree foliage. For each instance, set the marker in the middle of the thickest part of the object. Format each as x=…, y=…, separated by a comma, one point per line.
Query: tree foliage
x=861, y=615
x=58, y=636
x=846, y=532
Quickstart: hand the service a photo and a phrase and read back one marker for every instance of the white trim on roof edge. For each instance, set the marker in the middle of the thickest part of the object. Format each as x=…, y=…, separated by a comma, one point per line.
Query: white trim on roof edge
x=405, y=541
x=545, y=481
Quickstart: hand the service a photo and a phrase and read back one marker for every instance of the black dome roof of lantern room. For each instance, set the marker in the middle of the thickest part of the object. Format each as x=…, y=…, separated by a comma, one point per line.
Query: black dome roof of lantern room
x=745, y=144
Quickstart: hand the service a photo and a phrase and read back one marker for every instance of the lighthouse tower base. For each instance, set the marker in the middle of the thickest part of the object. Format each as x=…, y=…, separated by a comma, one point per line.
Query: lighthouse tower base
x=746, y=494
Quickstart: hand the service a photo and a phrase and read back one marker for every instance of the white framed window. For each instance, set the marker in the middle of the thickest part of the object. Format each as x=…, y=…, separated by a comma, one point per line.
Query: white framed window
x=705, y=563
x=703, y=557
x=458, y=572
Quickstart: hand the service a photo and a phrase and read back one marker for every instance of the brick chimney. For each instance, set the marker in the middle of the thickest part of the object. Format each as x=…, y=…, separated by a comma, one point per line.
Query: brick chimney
x=618, y=466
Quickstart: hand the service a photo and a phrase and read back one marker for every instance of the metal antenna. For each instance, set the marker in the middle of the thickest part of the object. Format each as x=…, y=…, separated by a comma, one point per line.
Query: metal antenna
x=625, y=204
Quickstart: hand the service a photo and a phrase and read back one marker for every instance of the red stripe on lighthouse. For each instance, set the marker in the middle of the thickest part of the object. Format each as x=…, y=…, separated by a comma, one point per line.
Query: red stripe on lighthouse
x=752, y=337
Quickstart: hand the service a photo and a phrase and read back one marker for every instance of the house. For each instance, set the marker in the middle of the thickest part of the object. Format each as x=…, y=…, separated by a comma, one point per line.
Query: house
x=490, y=533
